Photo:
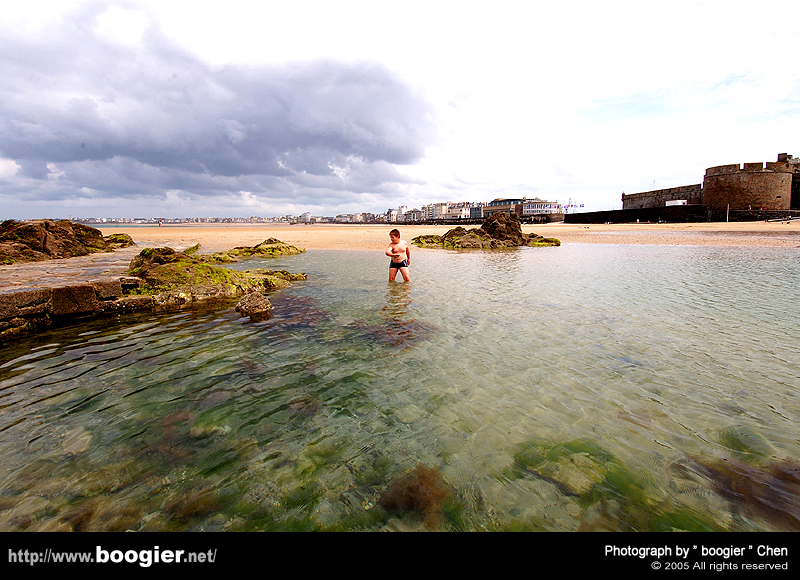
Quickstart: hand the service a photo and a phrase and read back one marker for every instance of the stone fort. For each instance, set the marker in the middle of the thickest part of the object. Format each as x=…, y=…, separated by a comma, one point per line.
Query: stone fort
x=770, y=186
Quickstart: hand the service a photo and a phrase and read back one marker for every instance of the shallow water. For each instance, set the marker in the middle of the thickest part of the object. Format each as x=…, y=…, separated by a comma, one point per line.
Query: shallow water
x=585, y=387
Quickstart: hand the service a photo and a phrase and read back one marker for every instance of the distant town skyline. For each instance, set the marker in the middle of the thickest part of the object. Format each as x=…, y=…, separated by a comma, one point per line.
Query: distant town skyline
x=433, y=211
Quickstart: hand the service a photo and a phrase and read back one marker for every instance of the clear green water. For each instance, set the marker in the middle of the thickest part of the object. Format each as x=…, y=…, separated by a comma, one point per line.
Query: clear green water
x=586, y=387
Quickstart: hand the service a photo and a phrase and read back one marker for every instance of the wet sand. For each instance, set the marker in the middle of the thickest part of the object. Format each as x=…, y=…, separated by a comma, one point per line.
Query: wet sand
x=214, y=237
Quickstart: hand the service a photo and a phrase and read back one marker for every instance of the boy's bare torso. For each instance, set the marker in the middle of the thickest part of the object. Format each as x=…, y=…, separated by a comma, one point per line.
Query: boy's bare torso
x=397, y=250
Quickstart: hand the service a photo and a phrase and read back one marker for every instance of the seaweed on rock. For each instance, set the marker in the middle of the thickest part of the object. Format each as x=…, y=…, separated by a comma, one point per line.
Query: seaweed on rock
x=422, y=491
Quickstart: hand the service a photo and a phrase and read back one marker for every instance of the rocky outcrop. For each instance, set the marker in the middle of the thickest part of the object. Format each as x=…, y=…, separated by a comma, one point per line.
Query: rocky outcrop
x=37, y=240
x=172, y=277
x=157, y=277
x=498, y=231
x=269, y=248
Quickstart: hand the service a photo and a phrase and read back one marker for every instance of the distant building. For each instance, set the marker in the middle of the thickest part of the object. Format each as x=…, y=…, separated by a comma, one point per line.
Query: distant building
x=533, y=207
x=503, y=205
x=414, y=215
x=457, y=211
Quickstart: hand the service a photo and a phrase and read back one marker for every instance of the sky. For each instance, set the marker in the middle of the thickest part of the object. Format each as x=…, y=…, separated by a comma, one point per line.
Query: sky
x=177, y=108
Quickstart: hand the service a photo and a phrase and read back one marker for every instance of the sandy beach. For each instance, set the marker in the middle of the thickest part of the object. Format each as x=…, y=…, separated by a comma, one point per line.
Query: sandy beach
x=214, y=237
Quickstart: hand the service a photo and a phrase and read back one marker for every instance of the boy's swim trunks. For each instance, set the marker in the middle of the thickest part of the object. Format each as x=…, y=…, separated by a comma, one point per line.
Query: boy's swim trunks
x=398, y=265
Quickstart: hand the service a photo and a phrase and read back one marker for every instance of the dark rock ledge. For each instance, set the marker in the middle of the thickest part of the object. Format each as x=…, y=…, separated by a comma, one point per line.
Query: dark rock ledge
x=37, y=240
x=156, y=278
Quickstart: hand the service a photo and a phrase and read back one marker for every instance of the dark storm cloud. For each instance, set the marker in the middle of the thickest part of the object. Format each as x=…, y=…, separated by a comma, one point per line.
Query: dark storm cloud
x=145, y=119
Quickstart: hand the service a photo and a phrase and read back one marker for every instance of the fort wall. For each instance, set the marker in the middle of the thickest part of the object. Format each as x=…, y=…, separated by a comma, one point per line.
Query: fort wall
x=770, y=186
x=766, y=186
x=659, y=197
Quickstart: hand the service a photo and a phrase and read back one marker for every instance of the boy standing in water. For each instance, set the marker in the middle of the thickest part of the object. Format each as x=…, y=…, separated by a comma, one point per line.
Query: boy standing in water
x=400, y=253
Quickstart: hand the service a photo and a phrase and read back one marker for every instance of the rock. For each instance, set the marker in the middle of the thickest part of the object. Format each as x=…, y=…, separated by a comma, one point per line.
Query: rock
x=771, y=491
x=37, y=240
x=255, y=305
x=575, y=467
x=107, y=288
x=156, y=277
x=75, y=299
x=177, y=278
x=499, y=230
x=115, y=241
x=268, y=248
x=576, y=474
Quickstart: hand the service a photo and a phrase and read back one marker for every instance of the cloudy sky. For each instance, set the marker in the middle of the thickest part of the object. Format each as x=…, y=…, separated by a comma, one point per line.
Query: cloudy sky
x=177, y=108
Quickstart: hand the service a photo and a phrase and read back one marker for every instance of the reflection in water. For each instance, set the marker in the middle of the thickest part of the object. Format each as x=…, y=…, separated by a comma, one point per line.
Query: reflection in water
x=397, y=328
x=599, y=387
x=400, y=329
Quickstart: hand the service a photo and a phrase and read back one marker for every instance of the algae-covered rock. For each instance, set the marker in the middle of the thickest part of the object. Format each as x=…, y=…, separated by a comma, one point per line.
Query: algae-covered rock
x=269, y=248
x=499, y=230
x=770, y=491
x=115, y=241
x=255, y=305
x=745, y=443
x=38, y=240
x=581, y=468
x=173, y=277
x=575, y=467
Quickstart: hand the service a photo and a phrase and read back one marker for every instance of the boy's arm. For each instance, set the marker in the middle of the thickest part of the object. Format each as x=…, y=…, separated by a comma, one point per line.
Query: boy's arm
x=408, y=253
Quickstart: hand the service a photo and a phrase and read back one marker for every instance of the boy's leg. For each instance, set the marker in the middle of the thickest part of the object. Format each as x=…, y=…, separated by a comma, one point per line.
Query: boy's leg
x=405, y=273
x=392, y=274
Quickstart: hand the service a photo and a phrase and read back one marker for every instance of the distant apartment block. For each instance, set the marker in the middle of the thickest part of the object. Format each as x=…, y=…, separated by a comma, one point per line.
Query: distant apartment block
x=524, y=207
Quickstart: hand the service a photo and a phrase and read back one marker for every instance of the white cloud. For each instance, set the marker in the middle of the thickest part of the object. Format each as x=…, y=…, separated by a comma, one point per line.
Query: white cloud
x=8, y=169
x=121, y=25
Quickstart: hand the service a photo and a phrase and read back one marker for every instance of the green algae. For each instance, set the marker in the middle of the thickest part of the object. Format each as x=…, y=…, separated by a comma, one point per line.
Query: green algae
x=745, y=443
x=683, y=520
x=269, y=248
x=178, y=277
x=582, y=469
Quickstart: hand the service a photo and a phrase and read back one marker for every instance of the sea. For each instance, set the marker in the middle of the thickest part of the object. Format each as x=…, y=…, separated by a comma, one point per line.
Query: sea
x=586, y=387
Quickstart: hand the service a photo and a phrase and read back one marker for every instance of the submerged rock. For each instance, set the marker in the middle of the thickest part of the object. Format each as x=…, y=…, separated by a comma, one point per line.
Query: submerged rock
x=499, y=230
x=77, y=441
x=575, y=467
x=38, y=240
x=771, y=491
x=255, y=305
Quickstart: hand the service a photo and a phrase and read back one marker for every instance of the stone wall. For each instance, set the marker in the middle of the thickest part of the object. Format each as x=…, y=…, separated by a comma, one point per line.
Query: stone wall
x=659, y=197
x=678, y=214
x=32, y=308
x=670, y=214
